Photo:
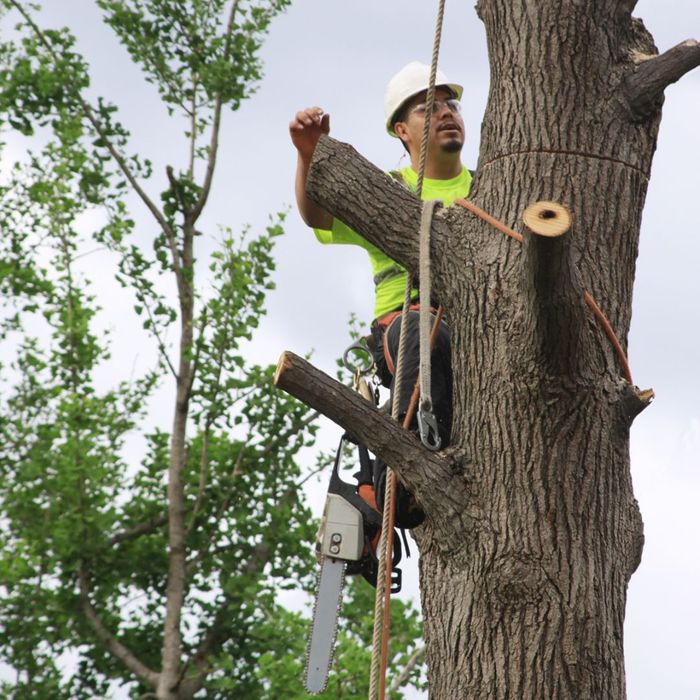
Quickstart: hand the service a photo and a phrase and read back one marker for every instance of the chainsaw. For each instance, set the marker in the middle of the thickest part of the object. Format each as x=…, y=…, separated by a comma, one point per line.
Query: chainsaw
x=346, y=544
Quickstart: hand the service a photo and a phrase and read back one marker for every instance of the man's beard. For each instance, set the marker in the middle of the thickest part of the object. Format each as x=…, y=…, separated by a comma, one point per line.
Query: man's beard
x=451, y=146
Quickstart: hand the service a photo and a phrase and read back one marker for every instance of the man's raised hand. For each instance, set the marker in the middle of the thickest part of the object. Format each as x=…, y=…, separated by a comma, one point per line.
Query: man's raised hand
x=306, y=128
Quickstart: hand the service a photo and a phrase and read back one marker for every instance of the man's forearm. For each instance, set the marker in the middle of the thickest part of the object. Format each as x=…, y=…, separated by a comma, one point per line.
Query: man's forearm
x=313, y=215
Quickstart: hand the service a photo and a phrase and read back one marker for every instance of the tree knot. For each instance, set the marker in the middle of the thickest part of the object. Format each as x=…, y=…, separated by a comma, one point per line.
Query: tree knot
x=518, y=580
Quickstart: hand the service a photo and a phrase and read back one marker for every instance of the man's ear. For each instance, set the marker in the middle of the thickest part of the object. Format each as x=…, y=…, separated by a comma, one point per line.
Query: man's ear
x=401, y=131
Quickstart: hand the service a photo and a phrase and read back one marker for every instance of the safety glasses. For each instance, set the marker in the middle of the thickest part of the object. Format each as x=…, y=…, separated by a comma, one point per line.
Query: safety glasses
x=452, y=104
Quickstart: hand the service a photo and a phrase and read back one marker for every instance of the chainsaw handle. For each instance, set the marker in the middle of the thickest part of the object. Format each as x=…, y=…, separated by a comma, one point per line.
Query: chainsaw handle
x=349, y=492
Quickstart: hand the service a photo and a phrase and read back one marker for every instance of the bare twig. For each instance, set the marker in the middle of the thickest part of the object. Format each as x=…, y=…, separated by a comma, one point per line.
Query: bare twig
x=161, y=344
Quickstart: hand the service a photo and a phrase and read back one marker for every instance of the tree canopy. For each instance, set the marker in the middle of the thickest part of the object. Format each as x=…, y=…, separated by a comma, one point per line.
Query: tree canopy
x=132, y=551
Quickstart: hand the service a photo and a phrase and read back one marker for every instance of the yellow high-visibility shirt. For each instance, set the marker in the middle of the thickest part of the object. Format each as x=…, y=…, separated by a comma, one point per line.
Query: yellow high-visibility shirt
x=389, y=276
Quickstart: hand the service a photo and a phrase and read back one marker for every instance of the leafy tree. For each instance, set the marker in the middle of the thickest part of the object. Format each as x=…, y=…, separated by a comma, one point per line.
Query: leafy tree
x=130, y=553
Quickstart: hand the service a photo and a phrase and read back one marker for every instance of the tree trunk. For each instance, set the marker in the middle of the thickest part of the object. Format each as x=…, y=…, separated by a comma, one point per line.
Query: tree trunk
x=533, y=604
x=524, y=591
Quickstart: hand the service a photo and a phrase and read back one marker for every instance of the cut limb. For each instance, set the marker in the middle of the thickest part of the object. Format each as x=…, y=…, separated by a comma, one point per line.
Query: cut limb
x=556, y=317
x=418, y=468
x=369, y=201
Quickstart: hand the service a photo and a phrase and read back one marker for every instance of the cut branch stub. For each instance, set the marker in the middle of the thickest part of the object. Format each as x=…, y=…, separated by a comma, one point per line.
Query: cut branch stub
x=547, y=219
x=377, y=431
x=634, y=401
x=555, y=312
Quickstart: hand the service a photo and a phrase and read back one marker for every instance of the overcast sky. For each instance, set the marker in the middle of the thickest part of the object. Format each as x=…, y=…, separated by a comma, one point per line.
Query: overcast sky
x=340, y=55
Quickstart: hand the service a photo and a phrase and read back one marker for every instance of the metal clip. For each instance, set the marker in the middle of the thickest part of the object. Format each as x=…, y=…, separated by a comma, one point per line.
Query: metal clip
x=357, y=380
x=360, y=385
x=428, y=428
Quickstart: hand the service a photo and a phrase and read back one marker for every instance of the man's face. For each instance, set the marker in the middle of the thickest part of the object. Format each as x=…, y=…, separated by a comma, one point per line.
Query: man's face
x=446, y=125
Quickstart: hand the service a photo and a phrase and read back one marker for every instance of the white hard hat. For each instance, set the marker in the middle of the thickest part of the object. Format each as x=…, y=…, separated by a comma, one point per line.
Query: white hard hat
x=409, y=81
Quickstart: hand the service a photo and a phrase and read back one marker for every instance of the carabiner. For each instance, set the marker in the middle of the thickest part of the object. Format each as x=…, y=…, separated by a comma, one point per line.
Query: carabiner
x=428, y=428
x=358, y=347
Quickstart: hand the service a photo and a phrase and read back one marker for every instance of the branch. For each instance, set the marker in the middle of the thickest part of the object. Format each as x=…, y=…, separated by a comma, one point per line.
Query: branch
x=218, y=633
x=216, y=125
x=272, y=444
x=143, y=528
x=557, y=315
x=428, y=475
x=146, y=303
x=369, y=201
x=115, y=647
x=645, y=87
x=412, y=662
x=126, y=171
x=220, y=630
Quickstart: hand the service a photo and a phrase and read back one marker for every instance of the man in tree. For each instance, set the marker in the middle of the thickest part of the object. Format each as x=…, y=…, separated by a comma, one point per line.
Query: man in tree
x=445, y=179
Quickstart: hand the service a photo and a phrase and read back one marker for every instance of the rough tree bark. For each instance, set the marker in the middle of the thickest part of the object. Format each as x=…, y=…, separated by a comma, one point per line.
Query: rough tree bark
x=533, y=531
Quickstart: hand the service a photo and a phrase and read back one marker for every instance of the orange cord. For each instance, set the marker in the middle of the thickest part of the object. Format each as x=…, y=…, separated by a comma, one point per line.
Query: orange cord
x=489, y=219
x=466, y=204
x=611, y=335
